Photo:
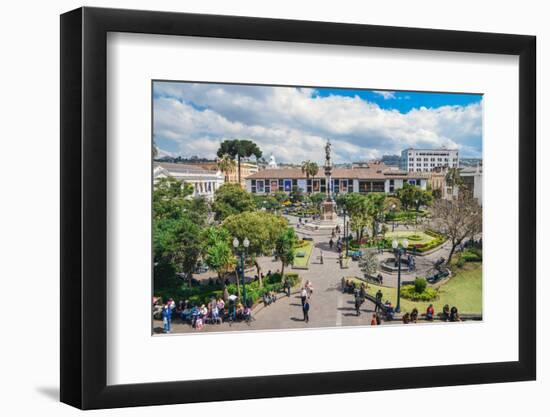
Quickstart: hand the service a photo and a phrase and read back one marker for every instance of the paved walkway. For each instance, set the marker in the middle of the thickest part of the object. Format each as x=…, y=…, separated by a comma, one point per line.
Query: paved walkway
x=329, y=307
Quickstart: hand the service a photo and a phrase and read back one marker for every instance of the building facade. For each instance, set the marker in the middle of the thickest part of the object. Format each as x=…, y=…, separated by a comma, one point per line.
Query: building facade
x=204, y=181
x=426, y=160
x=375, y=177
x=247, y=168
x=472, y=178
x=472, y=182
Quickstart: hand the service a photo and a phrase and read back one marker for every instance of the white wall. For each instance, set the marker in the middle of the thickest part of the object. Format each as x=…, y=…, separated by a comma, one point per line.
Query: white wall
x=30, y=233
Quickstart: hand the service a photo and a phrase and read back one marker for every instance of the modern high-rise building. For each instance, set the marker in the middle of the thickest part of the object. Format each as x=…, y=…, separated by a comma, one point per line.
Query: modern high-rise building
x=423, y=160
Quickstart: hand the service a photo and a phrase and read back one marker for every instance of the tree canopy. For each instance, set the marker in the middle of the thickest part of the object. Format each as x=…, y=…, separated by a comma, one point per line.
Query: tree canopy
x=262, y=229
x=216, y=250
x=231, y=199
x=285, y=247
x=458, y=218
x=237, y=149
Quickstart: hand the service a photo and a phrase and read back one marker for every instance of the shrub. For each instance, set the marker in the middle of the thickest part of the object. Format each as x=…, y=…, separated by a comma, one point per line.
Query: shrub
x=420, y=285
x=472, y=255
x=409, y=292
x=460, y=262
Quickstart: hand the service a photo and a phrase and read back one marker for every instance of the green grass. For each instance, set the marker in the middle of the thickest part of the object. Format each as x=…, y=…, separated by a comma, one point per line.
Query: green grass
x=463, y=290
x=302, y=262
x=419, y=236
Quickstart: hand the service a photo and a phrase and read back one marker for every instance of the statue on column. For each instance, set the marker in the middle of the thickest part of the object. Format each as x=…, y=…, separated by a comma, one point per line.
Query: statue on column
x=327, y=153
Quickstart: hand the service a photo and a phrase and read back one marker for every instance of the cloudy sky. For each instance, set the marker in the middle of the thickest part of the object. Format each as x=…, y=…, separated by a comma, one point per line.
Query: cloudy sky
x=294, y=123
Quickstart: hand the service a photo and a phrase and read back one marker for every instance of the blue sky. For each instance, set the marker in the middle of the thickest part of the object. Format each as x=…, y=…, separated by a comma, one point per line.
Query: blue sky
x=404, y=101
x=294, y=123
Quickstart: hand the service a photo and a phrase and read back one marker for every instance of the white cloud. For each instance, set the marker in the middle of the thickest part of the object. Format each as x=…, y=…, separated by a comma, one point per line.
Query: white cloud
x=293, y=123
x=388, y=95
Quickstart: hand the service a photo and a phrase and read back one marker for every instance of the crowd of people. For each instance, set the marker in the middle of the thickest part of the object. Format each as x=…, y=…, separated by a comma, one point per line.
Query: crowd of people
x=216, y=311
x=386, y=311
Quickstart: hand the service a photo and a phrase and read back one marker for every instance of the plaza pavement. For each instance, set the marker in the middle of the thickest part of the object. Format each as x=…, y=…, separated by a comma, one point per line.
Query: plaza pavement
x=329, y=307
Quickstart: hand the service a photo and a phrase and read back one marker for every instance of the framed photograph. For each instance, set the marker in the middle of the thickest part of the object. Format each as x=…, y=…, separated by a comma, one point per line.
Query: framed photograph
x=258, y=208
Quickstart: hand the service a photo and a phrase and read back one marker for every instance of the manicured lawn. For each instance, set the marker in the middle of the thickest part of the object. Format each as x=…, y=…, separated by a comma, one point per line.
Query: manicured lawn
x=302, y=262
x=463, y=290
x=418, y=237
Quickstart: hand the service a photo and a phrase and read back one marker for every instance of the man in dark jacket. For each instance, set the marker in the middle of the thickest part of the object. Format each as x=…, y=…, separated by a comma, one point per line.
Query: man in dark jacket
x=305, y=309
x=358, y=302
x=379, y=296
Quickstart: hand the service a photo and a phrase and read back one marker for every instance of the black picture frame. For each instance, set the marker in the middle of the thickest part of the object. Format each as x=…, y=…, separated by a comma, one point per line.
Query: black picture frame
x=84, y=207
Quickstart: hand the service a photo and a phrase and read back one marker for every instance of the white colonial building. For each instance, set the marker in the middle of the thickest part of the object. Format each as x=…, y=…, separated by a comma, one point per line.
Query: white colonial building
x=472, y=177
x=204, y=181
x=376, y=177
x=425, y=160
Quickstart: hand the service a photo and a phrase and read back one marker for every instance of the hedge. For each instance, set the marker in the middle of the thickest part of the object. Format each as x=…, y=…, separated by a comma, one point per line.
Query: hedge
x=409, y=292
x=201, y=294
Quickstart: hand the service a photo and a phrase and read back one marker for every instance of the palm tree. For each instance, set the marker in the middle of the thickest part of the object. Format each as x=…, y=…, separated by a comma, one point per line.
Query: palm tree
x=310, y=169
x=226, y=164
x=239, y=148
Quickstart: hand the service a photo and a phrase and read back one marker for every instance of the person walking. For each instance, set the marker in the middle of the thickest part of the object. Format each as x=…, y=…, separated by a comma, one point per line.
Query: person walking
x=331, y=243
x=305, y=309
x=287, y=287
x=303, y=296
x=379, y=296
x=167, y=318
x=358, y=303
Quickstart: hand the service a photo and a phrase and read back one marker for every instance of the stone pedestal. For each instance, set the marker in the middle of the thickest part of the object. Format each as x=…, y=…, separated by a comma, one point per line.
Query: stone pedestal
x=328, y=211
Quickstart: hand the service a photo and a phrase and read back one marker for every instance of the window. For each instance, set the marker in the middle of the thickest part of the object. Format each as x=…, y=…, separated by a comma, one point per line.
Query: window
x=260, y=186
x=344, y=186
x=392, y=186
x=308, y=186
x=316, y=186
x=274, y=185
x=323, y=185
x=288, y=185
x=267, y=187
x=253, y=186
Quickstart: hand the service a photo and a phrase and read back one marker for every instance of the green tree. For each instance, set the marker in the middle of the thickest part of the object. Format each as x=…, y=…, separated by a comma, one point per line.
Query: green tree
x=177, y=221
x=422, y=198
x=176, y=246
x=217, y=252
x=226, y=164
x=237, y=149
x=266, y=201
x=285, y=248
x=356, y=206
x=317, y=198
x=231, y=199
x=375, y=210
x=262, y=230
x=310, y=169
x=406, y=195
x=170, y=198
x=296, y=195
x=280, y=196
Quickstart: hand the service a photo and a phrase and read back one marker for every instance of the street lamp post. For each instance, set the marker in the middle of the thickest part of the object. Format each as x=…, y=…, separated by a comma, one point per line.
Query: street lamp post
x=399, y=251
x=415, y=213
x=246, y=243
x=393, y=217
x=346, y=232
